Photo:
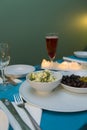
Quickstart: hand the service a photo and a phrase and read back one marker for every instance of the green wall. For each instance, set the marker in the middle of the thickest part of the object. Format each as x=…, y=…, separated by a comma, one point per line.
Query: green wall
x=24, y=24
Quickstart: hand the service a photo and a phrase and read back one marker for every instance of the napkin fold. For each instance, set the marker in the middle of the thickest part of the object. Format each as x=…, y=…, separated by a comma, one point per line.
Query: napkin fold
x=35, y=112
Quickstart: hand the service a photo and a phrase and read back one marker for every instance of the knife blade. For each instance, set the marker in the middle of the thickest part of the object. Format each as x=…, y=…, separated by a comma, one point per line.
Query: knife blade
x=13, y=111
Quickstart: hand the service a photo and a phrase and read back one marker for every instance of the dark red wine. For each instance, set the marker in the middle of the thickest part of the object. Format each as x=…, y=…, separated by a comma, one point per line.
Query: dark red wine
x=51, y=45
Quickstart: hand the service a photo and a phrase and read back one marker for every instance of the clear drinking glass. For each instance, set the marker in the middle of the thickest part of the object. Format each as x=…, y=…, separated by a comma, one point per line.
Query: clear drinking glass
x=4, y=61
x=51, y=45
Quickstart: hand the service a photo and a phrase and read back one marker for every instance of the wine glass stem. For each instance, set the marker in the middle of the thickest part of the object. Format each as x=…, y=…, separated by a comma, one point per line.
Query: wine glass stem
x=3, y=75
x=51, y=60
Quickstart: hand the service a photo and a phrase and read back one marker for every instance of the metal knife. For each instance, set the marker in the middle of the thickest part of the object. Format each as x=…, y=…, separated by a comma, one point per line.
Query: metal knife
x=13, y=111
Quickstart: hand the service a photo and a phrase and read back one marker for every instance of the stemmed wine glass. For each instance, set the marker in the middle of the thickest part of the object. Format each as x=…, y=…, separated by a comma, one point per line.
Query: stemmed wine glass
x=4, y=61
x=51, y=45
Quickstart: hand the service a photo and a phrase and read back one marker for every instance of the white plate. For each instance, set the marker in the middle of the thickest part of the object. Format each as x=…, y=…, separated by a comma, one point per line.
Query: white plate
x=59, y=100
x=81, y=54
x=74, y=60
x=75, y=89
x=18, y=70
x=4, y=124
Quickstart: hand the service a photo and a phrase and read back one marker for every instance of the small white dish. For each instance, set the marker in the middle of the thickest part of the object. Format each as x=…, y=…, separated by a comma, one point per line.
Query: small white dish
x=4, y=123
x=75, y=89
x=19, y=70
x=80, y=54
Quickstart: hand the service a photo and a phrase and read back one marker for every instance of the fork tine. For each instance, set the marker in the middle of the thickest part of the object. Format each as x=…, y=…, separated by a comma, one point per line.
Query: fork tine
x=15, y=99
x=18, y=98
x=19, y=101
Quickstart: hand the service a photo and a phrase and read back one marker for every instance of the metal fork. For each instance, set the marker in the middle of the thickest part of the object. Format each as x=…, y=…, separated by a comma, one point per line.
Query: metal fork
x=19, y=102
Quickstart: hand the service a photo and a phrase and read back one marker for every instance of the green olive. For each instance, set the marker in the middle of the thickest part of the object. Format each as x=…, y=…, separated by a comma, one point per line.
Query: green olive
x=84, y=79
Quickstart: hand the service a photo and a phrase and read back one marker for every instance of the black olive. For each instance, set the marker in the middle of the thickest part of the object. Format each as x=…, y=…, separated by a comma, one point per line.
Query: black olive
x=74, y=81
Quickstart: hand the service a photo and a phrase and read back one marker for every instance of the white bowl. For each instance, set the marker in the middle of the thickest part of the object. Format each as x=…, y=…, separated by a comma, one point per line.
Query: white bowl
x=81, y=54
x=75, y=89
x=45, y=87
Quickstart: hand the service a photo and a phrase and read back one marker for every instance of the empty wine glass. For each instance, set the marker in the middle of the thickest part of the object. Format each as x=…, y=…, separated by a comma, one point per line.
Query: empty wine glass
x=51, y=45
x=4, y=61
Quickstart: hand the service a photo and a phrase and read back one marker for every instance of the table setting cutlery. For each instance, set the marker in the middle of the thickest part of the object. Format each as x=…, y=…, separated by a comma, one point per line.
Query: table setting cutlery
x=17, y=117
x=13, y=111
x=20, y=103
